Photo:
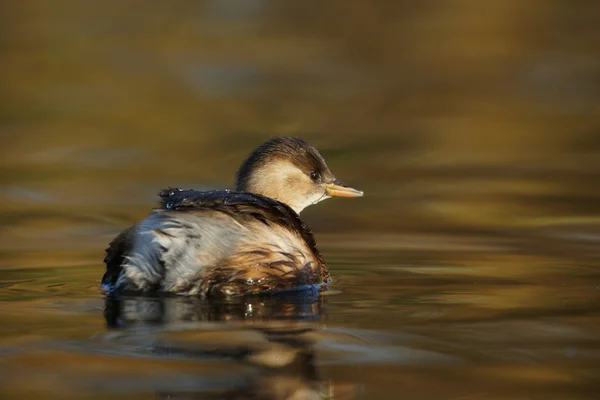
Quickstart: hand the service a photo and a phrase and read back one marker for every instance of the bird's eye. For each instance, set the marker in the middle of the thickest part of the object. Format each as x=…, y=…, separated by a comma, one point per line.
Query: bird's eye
x=314, y=176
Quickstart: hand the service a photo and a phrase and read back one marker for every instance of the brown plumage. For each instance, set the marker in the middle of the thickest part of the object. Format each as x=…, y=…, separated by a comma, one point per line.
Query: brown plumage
x=232, y=243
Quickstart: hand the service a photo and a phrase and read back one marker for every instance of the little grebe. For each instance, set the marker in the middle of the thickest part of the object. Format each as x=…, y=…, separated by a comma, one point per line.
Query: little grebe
x=232, y=243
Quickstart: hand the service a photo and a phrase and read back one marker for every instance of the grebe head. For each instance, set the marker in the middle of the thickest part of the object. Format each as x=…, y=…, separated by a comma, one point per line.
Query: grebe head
x=290, y=171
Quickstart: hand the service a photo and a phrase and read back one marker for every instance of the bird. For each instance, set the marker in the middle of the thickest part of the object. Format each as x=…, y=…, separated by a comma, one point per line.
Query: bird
x=227, y=243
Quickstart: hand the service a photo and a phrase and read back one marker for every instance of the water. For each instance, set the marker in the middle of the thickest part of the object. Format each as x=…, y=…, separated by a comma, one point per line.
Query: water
x=470, y=322
x=470, y=269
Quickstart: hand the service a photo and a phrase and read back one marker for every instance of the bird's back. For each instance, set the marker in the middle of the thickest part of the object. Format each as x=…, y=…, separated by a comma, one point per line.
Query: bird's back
x=215, y=242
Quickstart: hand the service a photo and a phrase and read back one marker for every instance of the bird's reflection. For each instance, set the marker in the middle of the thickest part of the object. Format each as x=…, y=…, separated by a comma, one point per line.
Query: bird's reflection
x=282, y=359
x=292, y=306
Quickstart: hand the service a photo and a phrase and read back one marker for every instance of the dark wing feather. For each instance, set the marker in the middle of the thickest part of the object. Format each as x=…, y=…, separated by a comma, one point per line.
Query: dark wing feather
x=241, y=205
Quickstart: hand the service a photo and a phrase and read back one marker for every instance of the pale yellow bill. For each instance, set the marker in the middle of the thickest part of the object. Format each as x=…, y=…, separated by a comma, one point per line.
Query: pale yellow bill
x=339, y=189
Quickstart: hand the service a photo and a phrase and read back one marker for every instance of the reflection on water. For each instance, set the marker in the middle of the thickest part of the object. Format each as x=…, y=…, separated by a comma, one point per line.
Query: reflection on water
x=470, y=269
x=264, y=333
x=305, y=304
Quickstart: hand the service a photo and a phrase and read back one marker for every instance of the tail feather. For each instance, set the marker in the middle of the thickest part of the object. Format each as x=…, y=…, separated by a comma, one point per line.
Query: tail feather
x=115, y=256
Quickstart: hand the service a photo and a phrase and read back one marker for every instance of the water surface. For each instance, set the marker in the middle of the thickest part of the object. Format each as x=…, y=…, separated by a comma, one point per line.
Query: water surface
x=470, y=269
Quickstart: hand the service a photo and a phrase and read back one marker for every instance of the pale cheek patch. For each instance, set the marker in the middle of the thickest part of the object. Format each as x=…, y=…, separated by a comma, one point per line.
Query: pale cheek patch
x=286, y=183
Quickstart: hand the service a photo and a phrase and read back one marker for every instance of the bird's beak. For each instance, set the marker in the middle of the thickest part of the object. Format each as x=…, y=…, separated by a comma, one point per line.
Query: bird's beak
x=340, y=189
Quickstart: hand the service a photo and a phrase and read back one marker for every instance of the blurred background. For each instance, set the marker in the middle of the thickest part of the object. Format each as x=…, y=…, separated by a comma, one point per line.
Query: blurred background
x=473, y=128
